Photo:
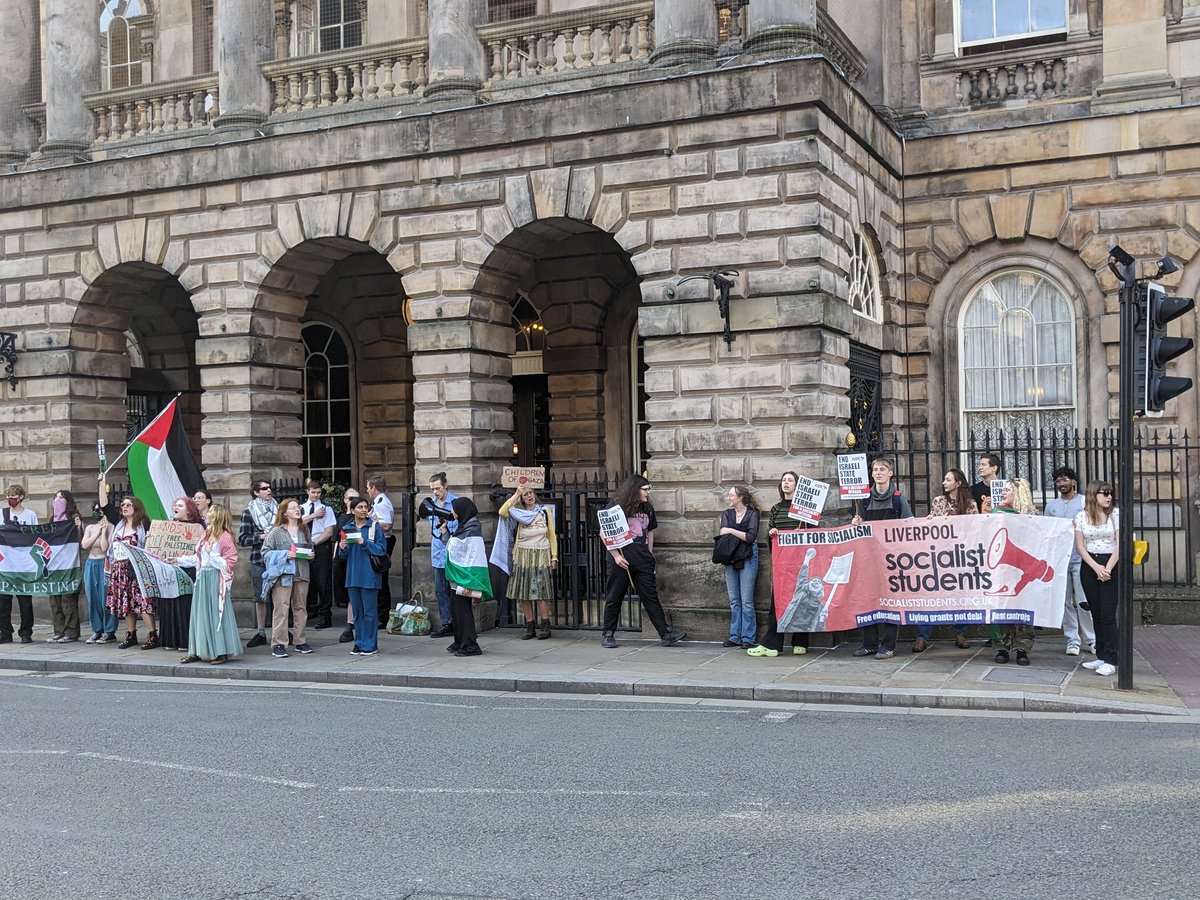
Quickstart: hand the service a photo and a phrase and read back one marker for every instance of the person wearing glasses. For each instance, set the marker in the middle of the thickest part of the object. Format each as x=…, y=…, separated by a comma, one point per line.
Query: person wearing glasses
x=1096, y=542
x=257, y=519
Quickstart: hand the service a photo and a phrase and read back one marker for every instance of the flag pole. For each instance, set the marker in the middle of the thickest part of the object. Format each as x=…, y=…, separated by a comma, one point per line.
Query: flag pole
x=143, y=431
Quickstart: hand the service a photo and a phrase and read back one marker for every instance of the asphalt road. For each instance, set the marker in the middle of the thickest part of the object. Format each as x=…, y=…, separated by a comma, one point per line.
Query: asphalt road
x=158, y=789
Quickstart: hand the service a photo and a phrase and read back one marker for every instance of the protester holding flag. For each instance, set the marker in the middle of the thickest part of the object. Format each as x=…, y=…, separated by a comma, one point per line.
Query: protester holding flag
x=96, y=538
x=287, y=550
x=778, y=520
x=467, y=575
x=358, y=541
x=124, y=597
x=175, y=612
x=64, y=608
x=15, y=513
x=1015, y=499
x=212, y=631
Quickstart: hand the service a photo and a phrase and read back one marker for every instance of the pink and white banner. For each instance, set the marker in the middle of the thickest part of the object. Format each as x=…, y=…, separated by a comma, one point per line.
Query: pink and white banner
x=971, y=570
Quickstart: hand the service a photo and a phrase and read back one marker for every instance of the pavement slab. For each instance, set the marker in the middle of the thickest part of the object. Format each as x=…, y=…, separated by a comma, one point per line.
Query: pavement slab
x=943, y=677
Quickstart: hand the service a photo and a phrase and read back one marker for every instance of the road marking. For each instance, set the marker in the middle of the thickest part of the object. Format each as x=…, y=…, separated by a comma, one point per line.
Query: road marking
x=35, y=752
x=196, y=770
x=39, y=687
x=328, y=694
x=512, y=792
x=618, y=709
x=776, y=717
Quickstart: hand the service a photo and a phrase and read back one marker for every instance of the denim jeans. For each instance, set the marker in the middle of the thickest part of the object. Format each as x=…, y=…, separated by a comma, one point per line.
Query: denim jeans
x=441, y=589
x=924, y=631
x=739, y=583
x=95, y=585
x=364, y=602
x=1077, y=623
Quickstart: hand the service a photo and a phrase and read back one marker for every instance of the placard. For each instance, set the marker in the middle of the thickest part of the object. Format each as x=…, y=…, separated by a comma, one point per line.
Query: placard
x=614, y=527
x=808, y=500
x=854, y=480
x=168, y=540
x=997, y=487
x=529, y=476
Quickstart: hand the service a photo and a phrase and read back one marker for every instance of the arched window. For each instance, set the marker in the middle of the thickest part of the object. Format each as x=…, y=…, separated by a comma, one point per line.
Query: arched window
x=120, y=43
x=1017, y=353
x=527, y=323
x=866, y=294
x=320, y=26
x=327, y=415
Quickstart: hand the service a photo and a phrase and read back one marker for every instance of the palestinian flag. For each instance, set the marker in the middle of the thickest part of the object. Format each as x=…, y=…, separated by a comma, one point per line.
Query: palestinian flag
x=467, y=564
x=161, y=465
x=40, y=559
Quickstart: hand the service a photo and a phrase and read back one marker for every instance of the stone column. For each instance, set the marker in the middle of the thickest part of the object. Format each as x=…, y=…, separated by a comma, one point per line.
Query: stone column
x=685, y=31
x=1136, y=74
x=18, y=32
x=245, y=38
x=781, y=27
x=72, y=67
x=457, y=61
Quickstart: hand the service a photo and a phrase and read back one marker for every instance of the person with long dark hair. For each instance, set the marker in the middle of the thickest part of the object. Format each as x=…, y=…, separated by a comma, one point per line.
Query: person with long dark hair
x=633, y=565
x=741, y=519
x=955, y=500
x=174, y=613
x=341, y=595
x=64, y=608
x=359, y=540
x=778, y=520
x=1096, y=539
x=124, y=598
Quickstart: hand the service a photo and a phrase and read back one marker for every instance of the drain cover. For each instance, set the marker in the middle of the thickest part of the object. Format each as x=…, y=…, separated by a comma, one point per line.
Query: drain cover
x=1025, y=676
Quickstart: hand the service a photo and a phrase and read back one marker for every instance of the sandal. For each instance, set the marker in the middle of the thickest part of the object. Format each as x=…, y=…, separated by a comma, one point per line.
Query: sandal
x=189, y=659
x=218, y=660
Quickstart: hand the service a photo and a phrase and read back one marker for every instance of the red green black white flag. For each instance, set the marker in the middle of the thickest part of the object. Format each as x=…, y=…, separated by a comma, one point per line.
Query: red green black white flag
x=162, y=467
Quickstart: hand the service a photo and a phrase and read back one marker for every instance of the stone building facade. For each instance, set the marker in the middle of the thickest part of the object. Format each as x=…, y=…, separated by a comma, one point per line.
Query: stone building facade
x=375, y=244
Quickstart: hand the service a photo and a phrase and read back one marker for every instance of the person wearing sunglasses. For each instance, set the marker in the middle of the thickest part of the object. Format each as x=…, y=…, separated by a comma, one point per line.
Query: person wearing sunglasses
x=1096, y=542
x=258, y=518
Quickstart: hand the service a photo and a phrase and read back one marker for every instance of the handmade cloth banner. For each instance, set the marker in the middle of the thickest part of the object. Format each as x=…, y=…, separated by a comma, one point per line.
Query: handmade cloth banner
x=155, y=577
x=40, y=559
x=964, y=570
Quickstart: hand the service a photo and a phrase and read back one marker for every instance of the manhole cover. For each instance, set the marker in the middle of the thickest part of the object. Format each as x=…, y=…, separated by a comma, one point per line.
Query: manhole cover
x=1024, y=676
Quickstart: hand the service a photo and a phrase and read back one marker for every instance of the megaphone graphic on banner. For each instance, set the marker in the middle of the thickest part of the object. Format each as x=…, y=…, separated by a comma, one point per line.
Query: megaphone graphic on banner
x=1003, y=552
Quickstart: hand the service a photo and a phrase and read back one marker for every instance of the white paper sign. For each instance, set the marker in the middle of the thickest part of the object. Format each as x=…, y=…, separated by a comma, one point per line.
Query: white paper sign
x=854, y=481
x=808, y=501
x=614, y=527
x=997, y=486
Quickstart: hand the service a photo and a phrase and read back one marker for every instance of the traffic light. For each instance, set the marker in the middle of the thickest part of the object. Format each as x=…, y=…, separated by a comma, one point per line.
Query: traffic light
x=1153, y=349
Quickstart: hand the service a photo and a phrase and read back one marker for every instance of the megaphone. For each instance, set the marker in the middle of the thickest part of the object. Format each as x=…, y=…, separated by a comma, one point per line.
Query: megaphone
x=1003, y=552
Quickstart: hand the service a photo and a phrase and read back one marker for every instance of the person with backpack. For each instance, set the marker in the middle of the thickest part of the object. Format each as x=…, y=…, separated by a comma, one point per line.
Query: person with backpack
x=884, y=502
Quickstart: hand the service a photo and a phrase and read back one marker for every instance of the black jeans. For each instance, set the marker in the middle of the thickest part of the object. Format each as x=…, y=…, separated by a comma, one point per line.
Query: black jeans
x=772, y=639
x=320, y=587
x=643, y=574
x=1102, y=598
x=25, y=604
x=465, y=637
x=880, y=636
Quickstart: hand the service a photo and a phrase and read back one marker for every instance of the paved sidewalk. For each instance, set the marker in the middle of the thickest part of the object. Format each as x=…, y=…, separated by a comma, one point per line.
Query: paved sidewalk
x=942, y=677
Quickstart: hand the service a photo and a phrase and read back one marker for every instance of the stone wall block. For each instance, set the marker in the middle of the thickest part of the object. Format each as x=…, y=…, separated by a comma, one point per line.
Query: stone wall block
x=550, y=190
x=320, y=216
x=289, y=225
x=106, y=244
x=633, y=236
x=362, y=217
x=582, y=193
x=735, y=192
x=1119, y=220
x=739, y=254
x=974, y=217
x=1010, y=215
x=1182, y=245
x=427, y=225
x=673, y=229
x=131, y=239
x=519, y=202
x=733, y=440
x=91, y=266
x=403, y=258
x=745, y=376
x=948, y=241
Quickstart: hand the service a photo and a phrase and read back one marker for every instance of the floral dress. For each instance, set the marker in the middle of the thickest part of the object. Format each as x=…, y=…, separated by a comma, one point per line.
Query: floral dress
x=124, y=597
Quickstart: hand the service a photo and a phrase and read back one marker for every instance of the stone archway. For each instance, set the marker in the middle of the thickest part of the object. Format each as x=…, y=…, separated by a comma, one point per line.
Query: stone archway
x=585, y=290
x=137, y=328
x=348, y=287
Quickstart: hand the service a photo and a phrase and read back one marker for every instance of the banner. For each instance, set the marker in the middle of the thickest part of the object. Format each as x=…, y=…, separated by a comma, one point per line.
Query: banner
x=962, y=570
x=155, y=577
x=40, y=559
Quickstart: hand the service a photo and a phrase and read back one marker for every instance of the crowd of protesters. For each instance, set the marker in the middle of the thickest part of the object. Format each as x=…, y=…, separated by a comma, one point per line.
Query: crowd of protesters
x=306, y=557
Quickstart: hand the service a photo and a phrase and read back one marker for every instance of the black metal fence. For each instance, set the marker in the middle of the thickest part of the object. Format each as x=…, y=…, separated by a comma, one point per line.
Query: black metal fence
x=1164, y=485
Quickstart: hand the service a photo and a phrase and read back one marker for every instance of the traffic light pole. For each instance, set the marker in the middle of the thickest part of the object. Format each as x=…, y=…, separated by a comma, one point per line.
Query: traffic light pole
x=1124, y=480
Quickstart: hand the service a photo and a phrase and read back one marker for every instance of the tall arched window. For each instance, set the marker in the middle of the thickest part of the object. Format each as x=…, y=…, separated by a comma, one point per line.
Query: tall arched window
x=327, y=435
x=1017, y=354
x=120, y=43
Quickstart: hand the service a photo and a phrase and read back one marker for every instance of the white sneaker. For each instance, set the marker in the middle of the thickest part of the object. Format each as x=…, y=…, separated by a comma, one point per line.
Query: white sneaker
x=1072, y=649
x=1105, y=669
x=1093, y=664
x=1092, y=649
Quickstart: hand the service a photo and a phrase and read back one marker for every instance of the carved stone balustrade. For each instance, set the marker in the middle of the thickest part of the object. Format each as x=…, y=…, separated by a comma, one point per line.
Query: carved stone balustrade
x=156, y=108
x=397, y=70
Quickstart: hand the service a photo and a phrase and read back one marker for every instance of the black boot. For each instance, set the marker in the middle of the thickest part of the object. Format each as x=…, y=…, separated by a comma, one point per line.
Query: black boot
x=131, y=640
x=543, y=629
x=530, y=632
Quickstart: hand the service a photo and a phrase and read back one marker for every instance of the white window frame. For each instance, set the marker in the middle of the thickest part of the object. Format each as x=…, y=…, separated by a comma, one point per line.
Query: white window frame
x=865, y=280
x=1035, y=409
x=961, y=45
x=125, y=15
x=307, y=28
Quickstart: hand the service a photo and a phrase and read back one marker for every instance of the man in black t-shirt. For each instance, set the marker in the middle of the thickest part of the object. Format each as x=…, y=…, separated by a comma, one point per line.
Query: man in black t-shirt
x=989, y=470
